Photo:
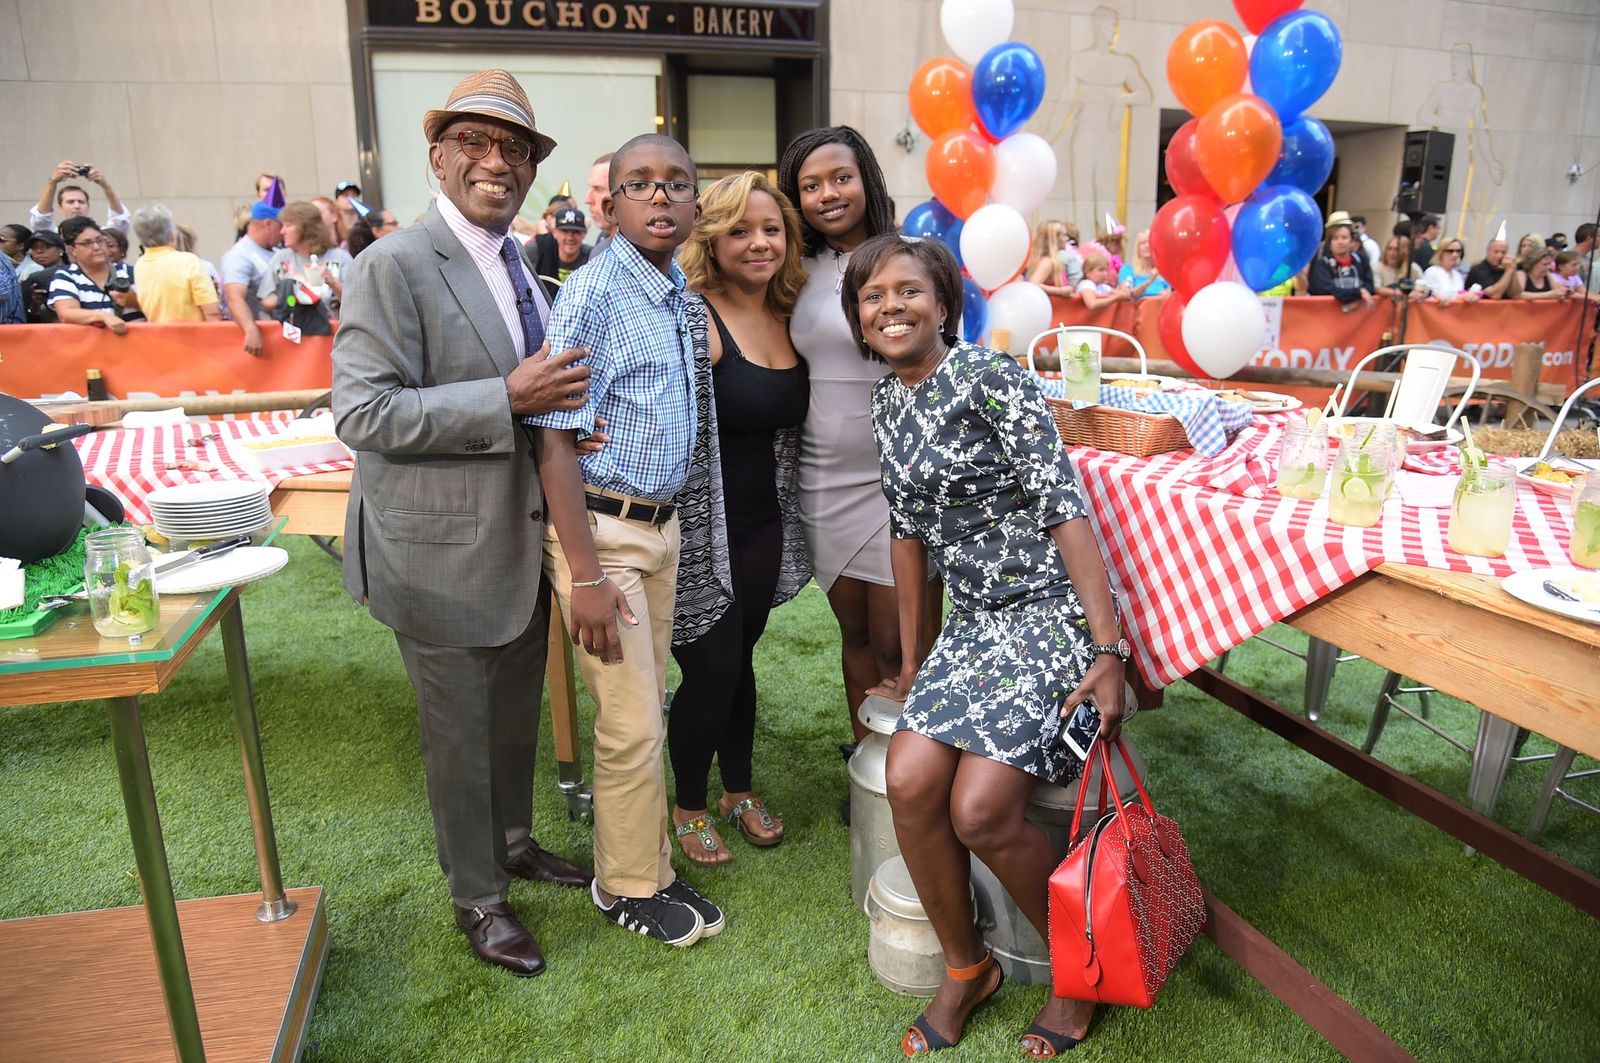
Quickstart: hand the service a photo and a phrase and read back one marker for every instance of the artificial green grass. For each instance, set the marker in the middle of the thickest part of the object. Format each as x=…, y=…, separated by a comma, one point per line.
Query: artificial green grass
x=1455, y=957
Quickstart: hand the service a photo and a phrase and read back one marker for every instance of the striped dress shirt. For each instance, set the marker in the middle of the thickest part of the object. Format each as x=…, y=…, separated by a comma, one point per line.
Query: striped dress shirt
x=484, y=247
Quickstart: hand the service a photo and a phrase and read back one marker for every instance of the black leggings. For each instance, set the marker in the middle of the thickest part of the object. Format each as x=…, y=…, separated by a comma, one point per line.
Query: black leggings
x=714, y=710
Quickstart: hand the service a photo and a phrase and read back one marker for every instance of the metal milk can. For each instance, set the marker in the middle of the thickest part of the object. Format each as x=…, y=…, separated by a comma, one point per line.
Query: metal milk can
x=1017, y=946
x=872, y=839
x=904, y=951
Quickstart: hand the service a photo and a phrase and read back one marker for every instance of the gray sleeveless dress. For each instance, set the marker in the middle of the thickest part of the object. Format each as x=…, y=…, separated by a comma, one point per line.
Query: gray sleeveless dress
x=842, y=505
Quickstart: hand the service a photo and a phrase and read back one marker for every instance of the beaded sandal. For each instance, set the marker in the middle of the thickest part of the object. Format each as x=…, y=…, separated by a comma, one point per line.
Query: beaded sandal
x=932, y=1040
x=755, y=804
x=701, y=827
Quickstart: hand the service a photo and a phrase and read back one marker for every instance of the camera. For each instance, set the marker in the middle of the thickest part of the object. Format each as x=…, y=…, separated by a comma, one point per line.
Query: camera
x=118, y=284
x=83, y=171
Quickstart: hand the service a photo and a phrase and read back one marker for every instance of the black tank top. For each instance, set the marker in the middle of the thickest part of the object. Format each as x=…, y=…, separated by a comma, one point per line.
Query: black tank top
x=1539, y=288
x=753, y=402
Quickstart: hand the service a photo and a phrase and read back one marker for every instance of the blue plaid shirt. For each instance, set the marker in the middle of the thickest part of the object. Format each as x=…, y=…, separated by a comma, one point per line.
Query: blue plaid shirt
x=632, y=318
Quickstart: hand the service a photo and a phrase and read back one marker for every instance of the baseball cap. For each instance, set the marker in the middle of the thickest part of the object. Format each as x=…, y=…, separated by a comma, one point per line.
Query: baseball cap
x=346, y=186
x=570, y=218
x=47, y=236
x=261, y=210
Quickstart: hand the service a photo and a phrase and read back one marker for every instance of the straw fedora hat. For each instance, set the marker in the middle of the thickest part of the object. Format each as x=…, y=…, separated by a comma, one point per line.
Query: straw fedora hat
x=1338, y=217
x=489, y=94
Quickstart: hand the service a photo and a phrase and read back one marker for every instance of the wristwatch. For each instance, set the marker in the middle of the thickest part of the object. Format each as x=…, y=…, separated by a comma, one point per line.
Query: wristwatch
x=1118, y=649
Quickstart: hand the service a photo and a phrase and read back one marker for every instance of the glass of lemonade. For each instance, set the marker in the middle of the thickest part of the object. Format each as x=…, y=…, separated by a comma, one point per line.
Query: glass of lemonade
x=1585, y=546
x=1303, y=462
x=1080, y=366
x=117, y=573
x=1361, y=476
x=1480, y=515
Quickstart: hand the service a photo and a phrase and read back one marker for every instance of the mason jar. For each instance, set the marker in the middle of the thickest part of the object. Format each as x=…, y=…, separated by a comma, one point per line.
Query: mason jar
x=119, y=577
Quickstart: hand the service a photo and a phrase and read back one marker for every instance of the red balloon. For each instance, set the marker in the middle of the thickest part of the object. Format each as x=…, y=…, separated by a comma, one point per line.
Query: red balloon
x=1169, y=326
x=960, y=170
x=941, y=96
x=1207, y=62
x=1237, y=144
x=1190, y=242
x=1258, y=14
x=1183, y=173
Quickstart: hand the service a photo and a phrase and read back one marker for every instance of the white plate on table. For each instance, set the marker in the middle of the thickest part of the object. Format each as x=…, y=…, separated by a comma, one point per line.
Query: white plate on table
x=1529, y=587
x=232, y=569
x=1264, y=401
x=1447, y=438
x=206, y=494
x=1561, y=492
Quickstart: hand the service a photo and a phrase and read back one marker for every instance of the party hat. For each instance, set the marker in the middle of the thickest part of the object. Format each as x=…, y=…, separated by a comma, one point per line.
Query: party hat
x=1500, y=233
x=1113, y=226
x=565, y=190
x=359, y=207
x=274, y=196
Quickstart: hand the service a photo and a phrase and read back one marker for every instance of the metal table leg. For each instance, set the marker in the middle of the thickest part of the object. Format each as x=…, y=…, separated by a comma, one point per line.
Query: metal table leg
x=1491, y=755
x=1321, y=657
x=155, y=878
x=274, y=904
x=560, y=677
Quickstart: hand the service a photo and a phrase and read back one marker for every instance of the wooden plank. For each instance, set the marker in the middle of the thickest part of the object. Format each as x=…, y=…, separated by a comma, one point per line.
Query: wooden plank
x=84, y=987
x=1341, y=1025
x=1463, y=635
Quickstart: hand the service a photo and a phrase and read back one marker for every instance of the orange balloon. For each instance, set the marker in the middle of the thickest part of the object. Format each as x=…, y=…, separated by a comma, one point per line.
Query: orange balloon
x=960, y=170
x=941, y=96
x=1206, y=62
x=1236, y=145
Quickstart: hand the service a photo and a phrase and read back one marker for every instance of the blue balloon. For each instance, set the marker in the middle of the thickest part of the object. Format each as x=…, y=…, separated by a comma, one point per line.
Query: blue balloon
x=1307, y=156
x=974, y=311
x=933, y=219
x=1007, y=87
x=1275, y=234
x=1294, y=61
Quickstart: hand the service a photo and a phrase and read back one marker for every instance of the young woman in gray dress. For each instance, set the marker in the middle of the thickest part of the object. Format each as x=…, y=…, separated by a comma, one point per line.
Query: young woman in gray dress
x=977, y=477
x=833, y=178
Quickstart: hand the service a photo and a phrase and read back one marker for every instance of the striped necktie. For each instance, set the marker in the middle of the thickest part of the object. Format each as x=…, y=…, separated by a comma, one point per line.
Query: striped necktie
x=527, y=308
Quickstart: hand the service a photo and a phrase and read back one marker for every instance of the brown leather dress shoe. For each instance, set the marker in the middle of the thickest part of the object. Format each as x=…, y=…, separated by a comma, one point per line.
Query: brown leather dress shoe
x=498, y=937
x=540, y=865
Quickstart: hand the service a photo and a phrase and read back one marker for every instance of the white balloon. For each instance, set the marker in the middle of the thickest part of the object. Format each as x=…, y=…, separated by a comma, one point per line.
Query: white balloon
x=1224, y=326
x=1024, y=171
x=972, y=27
x=994, y=244
x=1021, y=308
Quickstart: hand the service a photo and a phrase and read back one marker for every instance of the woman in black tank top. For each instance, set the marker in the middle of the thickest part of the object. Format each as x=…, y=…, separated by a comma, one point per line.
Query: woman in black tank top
x=744, y=259
x=1534, y=274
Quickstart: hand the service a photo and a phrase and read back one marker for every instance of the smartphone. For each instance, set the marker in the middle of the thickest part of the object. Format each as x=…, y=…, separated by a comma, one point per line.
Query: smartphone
x=1079, y=732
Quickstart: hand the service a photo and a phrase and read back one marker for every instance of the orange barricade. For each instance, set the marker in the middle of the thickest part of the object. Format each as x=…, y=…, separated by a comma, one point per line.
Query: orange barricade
x=164, y=359
x=1314, y=332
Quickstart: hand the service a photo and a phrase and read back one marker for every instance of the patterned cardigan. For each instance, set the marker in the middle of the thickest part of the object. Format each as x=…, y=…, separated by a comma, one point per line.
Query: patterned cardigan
x=705, y=580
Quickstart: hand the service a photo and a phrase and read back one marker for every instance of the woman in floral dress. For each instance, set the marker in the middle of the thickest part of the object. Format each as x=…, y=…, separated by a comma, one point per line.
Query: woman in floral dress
x=977, y=477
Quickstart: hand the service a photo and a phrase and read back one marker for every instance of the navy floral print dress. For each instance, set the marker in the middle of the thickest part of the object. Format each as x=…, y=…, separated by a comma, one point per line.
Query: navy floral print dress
x=973, y=467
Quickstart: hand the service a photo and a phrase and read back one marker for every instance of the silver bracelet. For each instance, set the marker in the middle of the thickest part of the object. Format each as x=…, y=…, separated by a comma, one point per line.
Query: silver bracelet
x=590, y=583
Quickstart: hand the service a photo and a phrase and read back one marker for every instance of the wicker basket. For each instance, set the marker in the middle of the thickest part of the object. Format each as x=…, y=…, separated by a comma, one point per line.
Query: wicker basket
x=1111, y=428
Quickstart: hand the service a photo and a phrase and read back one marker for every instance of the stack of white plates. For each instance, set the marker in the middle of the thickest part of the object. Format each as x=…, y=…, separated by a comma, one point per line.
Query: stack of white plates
x=213, y=510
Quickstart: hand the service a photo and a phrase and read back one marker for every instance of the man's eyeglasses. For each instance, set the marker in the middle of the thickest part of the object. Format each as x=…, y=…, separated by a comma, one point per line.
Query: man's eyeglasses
x=645, y=191
x=476, y=145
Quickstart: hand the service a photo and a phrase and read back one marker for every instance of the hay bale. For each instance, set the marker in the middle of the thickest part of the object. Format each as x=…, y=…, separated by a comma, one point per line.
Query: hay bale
x=1574, y=443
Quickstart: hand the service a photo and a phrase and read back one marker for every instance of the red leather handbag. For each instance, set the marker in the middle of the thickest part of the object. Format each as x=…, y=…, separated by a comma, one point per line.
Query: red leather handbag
x=1125, y=903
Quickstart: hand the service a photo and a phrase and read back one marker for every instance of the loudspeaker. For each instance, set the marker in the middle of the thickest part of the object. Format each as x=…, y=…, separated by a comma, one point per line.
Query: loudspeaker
x=1425, y=172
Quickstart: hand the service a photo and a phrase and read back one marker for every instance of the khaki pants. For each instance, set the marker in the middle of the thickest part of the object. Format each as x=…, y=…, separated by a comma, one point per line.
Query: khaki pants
x=631, y=854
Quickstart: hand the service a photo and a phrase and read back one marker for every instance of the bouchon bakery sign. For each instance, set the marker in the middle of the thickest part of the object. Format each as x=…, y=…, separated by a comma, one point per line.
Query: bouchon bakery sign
x=656, y=18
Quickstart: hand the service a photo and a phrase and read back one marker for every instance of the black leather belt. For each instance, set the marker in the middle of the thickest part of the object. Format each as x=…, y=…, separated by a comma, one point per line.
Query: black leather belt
x=630, y=509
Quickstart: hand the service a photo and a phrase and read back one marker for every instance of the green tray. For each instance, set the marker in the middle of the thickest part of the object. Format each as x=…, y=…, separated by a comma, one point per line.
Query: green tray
x=29, y=626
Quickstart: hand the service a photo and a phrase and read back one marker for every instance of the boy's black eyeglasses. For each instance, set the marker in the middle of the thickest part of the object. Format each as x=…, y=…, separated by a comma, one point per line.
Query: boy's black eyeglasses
x=476, y=145
x=645, y=191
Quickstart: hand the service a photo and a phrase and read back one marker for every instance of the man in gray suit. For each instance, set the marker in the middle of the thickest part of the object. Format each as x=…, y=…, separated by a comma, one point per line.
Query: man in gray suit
x=440, y=350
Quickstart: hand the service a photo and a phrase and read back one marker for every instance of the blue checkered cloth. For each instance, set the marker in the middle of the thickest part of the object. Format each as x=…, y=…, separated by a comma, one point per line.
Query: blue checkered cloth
x=1207, y=420
x=634, y=320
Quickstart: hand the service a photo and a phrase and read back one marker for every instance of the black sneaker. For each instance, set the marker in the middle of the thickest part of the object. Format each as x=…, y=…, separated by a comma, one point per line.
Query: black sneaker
x=659, y=916
x=709, y=913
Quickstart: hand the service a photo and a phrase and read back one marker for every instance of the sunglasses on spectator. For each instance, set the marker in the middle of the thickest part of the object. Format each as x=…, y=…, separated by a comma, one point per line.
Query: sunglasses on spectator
x=645, y=191
x=1450, y=250
x=476, y=145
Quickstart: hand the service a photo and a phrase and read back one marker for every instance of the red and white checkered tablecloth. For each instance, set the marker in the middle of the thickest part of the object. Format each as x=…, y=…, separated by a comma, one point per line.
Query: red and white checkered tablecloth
x=1200, y=570
x=133, y=462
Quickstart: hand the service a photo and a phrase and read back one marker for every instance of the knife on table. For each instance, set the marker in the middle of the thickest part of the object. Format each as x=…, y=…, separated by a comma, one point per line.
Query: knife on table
x=205, y=553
